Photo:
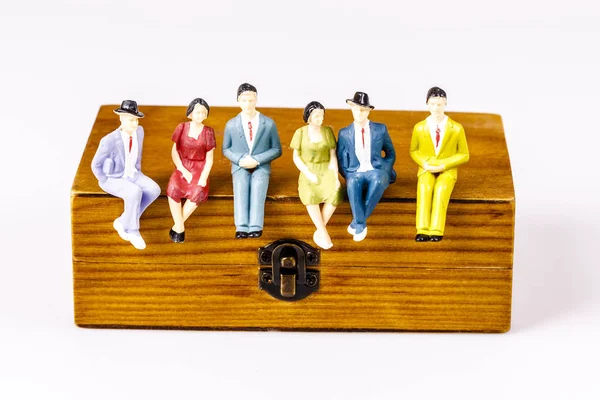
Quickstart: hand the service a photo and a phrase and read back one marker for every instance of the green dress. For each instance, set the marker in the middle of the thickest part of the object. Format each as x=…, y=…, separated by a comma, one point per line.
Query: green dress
x=316, y=157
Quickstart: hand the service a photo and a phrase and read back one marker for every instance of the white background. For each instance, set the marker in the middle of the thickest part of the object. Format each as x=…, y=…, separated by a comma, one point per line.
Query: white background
x=535, y=63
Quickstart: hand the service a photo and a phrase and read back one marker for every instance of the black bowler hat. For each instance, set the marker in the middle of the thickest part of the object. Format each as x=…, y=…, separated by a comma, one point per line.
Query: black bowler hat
x=361, y=99
x=129, y=107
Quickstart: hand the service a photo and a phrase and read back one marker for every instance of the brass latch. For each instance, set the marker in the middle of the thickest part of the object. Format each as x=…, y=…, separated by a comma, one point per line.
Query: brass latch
x=288, y=277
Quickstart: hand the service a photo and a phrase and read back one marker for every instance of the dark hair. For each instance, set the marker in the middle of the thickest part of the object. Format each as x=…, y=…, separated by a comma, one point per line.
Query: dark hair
x=200, y=101
x=435, y=92
x=246, y=87
x=310, y=107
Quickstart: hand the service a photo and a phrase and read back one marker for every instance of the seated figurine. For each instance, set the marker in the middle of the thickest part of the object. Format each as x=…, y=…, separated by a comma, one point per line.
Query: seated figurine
x=250, y=142
x=438, y=146
x=367, y=172
x=192, y=153
x=117, y=166
x=315, y=157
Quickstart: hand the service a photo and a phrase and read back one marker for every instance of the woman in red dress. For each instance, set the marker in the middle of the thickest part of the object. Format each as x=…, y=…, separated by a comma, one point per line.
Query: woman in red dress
x=192, y=155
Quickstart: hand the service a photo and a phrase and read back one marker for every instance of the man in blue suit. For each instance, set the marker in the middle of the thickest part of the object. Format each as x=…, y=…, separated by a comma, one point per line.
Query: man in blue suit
x=117, y=166
x=250, y=142
x=367, y=173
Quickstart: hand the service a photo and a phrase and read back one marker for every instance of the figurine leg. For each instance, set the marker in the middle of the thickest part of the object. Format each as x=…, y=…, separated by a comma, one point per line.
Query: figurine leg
x=355, y=184
x=241, y=199
x=444, y=184
x=188, y=208
x=131, y=195
x=321, y=236
x=378, y=181
x=327, y=212
x=258, y=194
x=176, y=213
x=150, y=190
x=425, y=186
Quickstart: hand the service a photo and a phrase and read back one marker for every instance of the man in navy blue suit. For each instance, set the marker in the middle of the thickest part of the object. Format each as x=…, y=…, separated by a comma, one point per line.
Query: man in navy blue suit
x=366, y=171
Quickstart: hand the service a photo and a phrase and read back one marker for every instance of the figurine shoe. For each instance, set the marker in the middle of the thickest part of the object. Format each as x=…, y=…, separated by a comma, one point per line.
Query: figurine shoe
x=422, y=238
x=241, y=235
x=351, y=230
x=358, y=237
x=322, y=242
x=255, y=234
x=137, y=241
x=177, y=237
x=435, y=238
x=120, y=229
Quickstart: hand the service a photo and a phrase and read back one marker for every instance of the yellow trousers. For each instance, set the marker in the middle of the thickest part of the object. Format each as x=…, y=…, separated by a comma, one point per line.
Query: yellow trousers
x=433, y=196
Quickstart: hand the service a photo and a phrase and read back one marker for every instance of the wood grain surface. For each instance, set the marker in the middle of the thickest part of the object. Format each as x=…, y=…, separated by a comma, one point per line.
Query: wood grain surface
x=477, y=235
x=350, y=298
x=387, y=282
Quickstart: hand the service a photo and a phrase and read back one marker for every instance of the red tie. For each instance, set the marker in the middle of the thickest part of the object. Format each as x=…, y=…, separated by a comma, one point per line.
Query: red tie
x=250, y=129
x=437, y=136
x=363, y=137
x=130, y=143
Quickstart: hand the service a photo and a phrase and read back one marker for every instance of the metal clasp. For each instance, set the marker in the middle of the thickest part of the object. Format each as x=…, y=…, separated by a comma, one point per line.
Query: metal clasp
x=288, y=277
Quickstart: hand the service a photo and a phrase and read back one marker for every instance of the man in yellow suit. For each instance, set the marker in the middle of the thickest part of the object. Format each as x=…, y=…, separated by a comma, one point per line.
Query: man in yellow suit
x=438, y=146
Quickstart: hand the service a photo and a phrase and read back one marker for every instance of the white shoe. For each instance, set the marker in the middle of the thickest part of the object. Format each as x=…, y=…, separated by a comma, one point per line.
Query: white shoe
x=359, y=237
x=351, y=230
x=120, y=229
x=137, y=242
x=321, y=242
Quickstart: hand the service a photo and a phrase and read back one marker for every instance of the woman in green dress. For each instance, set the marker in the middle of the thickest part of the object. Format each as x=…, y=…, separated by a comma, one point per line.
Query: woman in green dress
x=315, y=157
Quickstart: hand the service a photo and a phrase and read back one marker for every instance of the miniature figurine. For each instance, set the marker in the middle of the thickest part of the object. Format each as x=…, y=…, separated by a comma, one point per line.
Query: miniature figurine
x=250, y=142
x=192, y=154
x=117, y=166
x=315, y=157
x=366, y=171
x=438, y=146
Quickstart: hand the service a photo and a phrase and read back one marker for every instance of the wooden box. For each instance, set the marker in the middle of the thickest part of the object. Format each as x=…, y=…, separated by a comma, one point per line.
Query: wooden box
x=388, y=282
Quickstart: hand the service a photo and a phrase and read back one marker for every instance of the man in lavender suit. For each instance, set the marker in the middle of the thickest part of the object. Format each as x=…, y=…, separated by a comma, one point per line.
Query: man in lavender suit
x=117, y=166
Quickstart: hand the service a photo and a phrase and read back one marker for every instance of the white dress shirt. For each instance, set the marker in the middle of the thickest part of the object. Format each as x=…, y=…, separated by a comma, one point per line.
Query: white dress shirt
x=130, y=157
x=432, y=128
x=363, y=153
x=254, y=122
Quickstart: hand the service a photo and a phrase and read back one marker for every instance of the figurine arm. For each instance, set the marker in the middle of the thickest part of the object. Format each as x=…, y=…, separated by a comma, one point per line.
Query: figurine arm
x=330, y=138
x=415, y=152
x=304, y=168
x=187, y=175
x=274, y=151
x=207, y=167
x=333, y=165
x=333, y=162
x=341, y=149
x=462, y=153
x=138, y=163
x=228, y=152
x=101, y=155
x=388, y=148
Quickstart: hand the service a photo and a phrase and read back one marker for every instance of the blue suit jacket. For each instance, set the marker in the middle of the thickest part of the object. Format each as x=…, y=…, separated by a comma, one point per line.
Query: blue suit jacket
x=109, y=160
x=266, y=143
x=380, y=140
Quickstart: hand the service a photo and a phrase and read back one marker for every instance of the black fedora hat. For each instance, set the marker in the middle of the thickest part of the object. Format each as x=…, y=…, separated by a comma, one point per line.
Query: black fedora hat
x=361, y=99
x=129, y=107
